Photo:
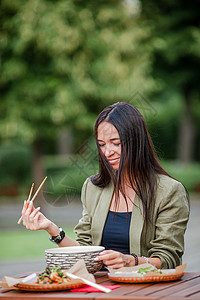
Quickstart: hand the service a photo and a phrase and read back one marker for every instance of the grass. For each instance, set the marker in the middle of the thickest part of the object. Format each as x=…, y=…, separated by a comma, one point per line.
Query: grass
x=26, y=244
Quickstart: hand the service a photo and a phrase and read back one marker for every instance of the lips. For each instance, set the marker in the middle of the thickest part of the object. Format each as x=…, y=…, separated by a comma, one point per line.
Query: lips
x=113, y=160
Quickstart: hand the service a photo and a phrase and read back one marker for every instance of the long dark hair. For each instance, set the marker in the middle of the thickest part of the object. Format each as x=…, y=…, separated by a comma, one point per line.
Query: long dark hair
x=138, y=159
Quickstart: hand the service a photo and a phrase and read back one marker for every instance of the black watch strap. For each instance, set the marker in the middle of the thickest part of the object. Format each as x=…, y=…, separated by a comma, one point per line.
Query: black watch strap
x=58, y=238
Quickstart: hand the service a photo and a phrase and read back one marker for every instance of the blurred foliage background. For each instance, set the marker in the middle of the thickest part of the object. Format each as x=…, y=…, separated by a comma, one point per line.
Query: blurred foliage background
x=63, y=61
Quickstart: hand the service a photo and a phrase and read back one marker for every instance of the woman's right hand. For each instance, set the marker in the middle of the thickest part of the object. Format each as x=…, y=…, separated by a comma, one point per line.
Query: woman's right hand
x=33, y=219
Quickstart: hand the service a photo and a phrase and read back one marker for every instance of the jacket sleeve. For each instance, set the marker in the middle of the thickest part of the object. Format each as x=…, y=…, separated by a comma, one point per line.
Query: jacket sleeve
x=171, y=222
x=83, y=228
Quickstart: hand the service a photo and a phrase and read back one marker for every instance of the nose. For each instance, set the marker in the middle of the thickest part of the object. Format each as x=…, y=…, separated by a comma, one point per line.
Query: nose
x=108, y=151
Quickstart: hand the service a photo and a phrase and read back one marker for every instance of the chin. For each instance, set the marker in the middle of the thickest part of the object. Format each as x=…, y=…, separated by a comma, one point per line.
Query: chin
x=116, y=168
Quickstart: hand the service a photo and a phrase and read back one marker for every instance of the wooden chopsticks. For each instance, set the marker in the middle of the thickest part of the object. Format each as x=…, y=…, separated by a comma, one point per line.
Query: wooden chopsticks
x=30, y=193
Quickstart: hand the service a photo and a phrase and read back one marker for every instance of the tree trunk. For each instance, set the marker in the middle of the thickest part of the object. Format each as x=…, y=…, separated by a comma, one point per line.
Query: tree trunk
x=186, y=132
x=38, y=174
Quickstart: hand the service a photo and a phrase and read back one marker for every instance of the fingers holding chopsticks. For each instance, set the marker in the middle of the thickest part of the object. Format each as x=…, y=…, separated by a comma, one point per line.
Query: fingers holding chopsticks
x=30, y=193
x=29, y=213
x=25, y=206
x=33, y=219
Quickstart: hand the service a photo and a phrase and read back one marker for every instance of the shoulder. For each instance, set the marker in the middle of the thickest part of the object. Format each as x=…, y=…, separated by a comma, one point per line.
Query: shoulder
x=88, y=186
x=168, y=184
x=92, y=195
x=90, y=192
x=170, y=192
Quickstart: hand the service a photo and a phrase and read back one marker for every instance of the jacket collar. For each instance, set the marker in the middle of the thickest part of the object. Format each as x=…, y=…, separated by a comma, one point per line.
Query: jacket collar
x=101, y=213
x=136, y=226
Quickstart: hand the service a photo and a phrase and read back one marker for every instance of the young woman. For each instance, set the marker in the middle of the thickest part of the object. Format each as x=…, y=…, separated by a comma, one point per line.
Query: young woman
x=132, y=207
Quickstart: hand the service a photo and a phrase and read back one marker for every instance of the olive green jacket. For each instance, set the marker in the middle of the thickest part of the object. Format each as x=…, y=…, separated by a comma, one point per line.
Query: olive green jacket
x=165, y=239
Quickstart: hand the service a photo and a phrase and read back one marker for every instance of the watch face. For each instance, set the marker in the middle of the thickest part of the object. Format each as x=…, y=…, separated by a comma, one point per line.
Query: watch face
x=58, y=238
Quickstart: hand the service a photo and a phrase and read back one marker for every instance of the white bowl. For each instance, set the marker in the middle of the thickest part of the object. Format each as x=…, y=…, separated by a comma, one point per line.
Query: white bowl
x=66, y=257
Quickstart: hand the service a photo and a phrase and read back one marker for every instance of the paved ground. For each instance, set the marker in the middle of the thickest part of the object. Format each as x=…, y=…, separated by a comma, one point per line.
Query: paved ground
x=71, y=213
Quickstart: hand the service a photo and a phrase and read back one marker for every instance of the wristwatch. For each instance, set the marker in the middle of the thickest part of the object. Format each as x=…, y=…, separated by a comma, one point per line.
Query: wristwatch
x=58, y=238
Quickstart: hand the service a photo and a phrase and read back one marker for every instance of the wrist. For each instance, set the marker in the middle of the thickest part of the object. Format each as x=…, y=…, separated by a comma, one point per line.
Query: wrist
x=59, y=237
x=135, y=258
x=52, y=229
x=132, y=261
x=129, y=260
x=146, y=260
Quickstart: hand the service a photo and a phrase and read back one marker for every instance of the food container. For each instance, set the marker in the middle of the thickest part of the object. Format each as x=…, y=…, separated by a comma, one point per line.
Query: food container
x=66, y=257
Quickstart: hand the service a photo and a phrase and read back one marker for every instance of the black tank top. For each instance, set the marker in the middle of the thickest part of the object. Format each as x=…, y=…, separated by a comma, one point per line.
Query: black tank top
x=116, y=232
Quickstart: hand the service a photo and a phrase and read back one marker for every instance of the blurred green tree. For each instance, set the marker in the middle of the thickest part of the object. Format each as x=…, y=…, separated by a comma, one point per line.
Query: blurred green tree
x=174, y=40
x=62, y=62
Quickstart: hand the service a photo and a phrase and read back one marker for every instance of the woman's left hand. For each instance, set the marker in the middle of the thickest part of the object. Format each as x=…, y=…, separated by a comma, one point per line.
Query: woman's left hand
x=113, y=259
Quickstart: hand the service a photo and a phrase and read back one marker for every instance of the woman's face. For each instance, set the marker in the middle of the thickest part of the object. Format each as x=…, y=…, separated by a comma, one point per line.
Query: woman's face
x=109, y=143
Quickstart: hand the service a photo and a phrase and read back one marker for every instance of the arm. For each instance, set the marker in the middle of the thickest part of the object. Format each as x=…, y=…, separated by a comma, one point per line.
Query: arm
x=118, y=260
x=170, y=223
x=39, y=221
x=33, y=219
x=53, y=230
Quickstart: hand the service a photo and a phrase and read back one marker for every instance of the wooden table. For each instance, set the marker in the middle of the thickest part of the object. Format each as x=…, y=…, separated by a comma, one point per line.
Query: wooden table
x=188, y=287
